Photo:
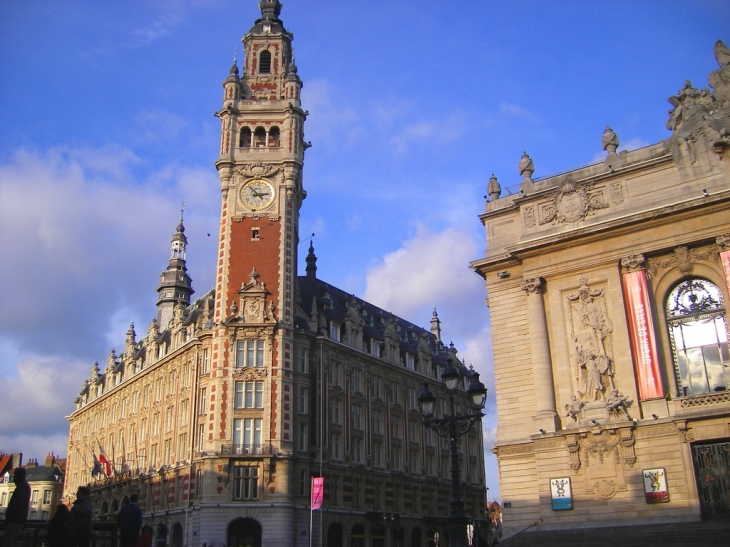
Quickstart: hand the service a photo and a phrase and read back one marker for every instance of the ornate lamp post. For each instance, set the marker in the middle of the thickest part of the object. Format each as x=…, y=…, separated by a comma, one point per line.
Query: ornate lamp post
x=452, y=426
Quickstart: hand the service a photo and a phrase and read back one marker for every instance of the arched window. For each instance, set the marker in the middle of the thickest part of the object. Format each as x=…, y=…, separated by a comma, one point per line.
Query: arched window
x=244, y=138
x=698, y=333
x=334, y=535
x=265, y=62
x=378, y=536
x=244, y=532
x=176, y=537
x=274, y=137
x=416, y=537
x=357, y=536
x=115, y=506
x=259, y=137
x=161, y=536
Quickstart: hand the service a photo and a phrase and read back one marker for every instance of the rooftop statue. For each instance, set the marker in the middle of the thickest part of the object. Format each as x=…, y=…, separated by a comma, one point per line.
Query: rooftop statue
x=527, y=167
x=493, y=188
x=609, y=140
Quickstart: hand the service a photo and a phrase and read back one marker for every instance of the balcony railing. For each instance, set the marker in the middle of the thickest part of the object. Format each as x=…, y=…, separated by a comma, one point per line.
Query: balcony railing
x=248, y=449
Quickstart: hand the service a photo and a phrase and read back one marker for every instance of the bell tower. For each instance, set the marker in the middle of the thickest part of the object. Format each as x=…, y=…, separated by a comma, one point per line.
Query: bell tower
x=260, y=169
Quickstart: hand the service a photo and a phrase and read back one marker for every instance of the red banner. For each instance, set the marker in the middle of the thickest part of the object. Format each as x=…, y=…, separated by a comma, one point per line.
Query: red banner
x=643, y=340
x=725, y=259
x=317, y=492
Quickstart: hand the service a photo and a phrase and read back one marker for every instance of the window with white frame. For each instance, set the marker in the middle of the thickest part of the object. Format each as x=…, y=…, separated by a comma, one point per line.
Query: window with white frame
x=245, y=482
x=201, y=436
x=204, y=366
x=376, y=387
x=247, y=435
x=248, y=394
x=250, y=353
x=303, y=437
x=356, y=380
x=356, y=417
x=203, y=400
x=336, y=445
x=374, y=347
x=378, y=421
x=395, y=426
x=336, y=411
x=303, y=360
x=410, y=361
x=303, y=399
x=335, y=331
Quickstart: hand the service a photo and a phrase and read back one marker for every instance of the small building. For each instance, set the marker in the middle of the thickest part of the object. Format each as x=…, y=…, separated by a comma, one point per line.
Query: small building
x=46, y=485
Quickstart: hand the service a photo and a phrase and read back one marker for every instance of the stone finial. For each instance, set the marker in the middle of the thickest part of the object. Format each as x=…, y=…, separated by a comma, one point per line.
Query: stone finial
x=609, y=141
x=527, y=167
x=493, y=188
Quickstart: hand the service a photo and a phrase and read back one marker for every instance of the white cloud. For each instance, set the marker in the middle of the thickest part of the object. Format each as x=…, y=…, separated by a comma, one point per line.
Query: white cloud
x=330, y=120
x=509, y=110
x=82, y=244
x=434, y=132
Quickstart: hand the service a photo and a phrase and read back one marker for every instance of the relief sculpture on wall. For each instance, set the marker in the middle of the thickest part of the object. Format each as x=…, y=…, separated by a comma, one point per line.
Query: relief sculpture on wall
x=590, y=332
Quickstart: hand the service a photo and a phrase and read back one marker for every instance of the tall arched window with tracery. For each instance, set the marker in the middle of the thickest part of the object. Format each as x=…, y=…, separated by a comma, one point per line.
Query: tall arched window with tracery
x=698, y=332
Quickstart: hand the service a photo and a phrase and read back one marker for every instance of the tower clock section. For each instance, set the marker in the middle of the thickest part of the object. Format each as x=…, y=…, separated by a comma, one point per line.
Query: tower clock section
x=260, y=169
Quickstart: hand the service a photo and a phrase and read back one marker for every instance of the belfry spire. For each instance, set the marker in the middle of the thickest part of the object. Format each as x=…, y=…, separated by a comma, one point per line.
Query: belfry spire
x=176, y=286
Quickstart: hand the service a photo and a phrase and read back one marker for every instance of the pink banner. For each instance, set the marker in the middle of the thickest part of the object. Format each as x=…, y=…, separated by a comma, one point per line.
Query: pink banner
x=643, y=341
x=725, y=259
x=317, y=492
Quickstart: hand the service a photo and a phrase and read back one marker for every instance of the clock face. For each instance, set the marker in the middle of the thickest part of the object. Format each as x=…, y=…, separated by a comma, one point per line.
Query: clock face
x=257, y=194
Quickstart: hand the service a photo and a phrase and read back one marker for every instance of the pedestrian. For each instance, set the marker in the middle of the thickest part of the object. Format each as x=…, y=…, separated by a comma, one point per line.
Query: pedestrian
x=129, y=521
x=58, y=528
x=17, y=512
x=79, y=522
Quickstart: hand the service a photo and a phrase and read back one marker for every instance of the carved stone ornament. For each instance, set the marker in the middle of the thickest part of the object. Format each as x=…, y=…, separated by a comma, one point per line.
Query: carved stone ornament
x=571, y=202
x=253, y=300
x=683, y=258
x=250, y=373
x=532, y=285
x=723, y=242
x=632, y=263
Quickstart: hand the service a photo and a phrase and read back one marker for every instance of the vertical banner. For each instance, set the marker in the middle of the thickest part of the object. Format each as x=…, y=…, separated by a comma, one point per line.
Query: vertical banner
x=725, y=259
x=641, y=330
x=317, y=492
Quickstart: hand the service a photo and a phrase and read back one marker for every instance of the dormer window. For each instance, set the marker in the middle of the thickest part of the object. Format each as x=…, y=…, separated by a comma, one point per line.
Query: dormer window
x=334, y=331
x=410, y=361
x=375, y=348
x=265, y=62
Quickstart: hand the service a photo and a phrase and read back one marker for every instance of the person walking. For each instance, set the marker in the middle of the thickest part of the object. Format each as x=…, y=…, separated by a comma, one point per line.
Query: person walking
x=129, y=522
x=17, y=512
x=79, y=522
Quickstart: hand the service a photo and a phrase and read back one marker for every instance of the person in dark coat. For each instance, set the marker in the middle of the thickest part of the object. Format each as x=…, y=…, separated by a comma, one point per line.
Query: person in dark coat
x=79, y=522
x=17, y=512
x=129, y=521
x=58, y=528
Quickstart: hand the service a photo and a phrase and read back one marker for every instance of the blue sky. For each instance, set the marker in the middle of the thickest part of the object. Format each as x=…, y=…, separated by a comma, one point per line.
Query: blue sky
x=106, y=126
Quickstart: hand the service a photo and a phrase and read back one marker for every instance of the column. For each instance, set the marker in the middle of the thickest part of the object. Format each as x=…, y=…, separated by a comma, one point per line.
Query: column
x=542, y=367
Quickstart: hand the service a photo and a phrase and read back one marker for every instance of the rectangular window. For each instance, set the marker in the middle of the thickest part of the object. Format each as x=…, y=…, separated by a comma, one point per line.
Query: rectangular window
x=168, y=452
x=199, y=483
x=411, y=398
x=378, y=421
x=201, y=437
x=334, y=490
x=168, y=418
x=153, y=456
x=335, y=373
x=123, y=410
x=155, y=424
x=34, y=497
x=141, y=461
x=356, y=380
x=3, y=498
x=410, y=361
x=248, y=395
x=247, y=435
x=205, y=364
x=245, y=483
x=357, y=494
x=377, y=496
x=304, y=360
x=203, y=400
x=378, y=454
x=250, y=353
x=184, y=412
x=335, y=331
x=374, y=348
x=335, y=446
x=413, y=431
x=413, y=460
x=158, y=389
x=303, y=482
x=395, y=427
x=182, y=446
x=356, y=417
x=357, y=450
x=143, y=430
x=135, y=400
x=304, y=400
x=335, y=411
x=396, y=458
x=303, y=437
x=376, y=387
x=430, y=468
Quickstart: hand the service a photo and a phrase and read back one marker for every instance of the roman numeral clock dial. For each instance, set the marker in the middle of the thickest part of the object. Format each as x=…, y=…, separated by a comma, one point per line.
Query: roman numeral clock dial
x=257, y=194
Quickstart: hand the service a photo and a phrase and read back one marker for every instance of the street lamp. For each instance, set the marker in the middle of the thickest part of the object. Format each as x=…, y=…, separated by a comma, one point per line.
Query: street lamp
x=452, y=426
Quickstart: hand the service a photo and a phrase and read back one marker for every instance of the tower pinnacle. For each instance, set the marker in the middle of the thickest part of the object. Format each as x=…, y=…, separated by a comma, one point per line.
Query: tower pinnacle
x=175, y=283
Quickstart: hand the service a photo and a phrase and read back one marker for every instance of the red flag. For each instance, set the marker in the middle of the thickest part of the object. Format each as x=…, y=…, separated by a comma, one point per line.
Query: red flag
x=106, y=466
x=317, y=492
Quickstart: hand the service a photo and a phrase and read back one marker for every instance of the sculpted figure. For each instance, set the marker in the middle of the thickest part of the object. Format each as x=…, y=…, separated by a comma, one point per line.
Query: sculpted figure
x=574, y=407
x=494, y=189
x=609, y=140
x=527, y=167
x=616, y=403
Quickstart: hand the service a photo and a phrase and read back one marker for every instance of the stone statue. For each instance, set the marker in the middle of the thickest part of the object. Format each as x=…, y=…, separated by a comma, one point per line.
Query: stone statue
x=720, y=79
x=527, y=167
x=617, y=403
x=609, y=140
x=494, y=189
x=574, y=407
x=596, y=367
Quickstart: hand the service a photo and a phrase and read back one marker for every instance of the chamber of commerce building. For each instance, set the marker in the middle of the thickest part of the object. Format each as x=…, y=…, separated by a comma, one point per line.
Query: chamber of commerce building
x=608, y=288
x=221, y=411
